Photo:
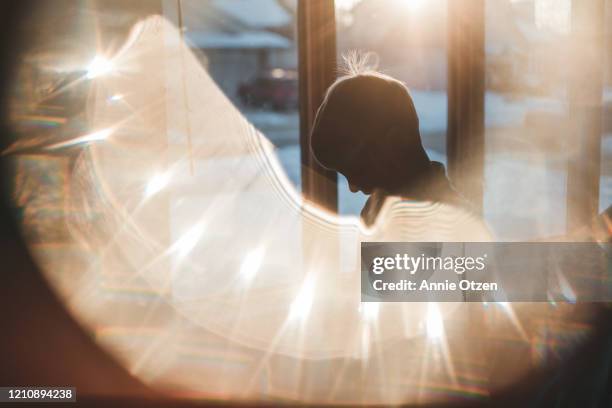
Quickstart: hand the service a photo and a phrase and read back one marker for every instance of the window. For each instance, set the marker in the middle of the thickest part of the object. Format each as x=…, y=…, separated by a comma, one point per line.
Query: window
x=539, y=117
x=249, y=48
x=526, y=118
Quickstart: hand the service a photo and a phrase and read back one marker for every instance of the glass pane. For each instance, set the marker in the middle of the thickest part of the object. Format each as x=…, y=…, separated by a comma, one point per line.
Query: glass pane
x=407, y=40
x=526, y=113
x=250, y=49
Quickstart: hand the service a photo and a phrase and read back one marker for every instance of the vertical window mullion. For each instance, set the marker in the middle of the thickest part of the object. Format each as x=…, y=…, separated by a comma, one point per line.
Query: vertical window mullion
x=466, y=92
x=317, y=71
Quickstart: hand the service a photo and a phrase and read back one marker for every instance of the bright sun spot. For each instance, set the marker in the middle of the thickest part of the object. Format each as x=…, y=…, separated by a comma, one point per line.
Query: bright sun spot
x=90, y=137
x=435, y=327
x=99, y=66
x=303, y=301
x=188, y=240
x=369, y=310
x=412, y=5
x=157, y=183
x=251, y=264
x=95, y=136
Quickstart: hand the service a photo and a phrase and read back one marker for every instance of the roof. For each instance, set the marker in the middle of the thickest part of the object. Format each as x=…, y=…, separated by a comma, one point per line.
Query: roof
x=255, y=14
x=239, y=24
x=239, y=40
x=234, y=14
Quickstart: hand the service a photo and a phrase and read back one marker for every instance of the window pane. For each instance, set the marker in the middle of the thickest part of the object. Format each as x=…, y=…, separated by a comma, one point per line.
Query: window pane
x=407, y=40
x=526, y=115
x=250, y=49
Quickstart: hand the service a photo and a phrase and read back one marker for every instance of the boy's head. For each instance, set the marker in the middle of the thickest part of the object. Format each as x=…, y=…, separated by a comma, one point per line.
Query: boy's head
x=367, y=129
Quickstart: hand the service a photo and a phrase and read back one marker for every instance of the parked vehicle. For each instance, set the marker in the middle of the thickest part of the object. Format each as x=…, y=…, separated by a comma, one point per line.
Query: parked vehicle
x=277, y=89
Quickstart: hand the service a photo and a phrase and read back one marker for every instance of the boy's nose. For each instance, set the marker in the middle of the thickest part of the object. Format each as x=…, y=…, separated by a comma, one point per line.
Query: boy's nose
x=353, y=187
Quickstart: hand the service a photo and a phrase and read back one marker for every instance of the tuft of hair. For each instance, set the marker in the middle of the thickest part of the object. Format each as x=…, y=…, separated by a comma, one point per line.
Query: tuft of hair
x=358, y=62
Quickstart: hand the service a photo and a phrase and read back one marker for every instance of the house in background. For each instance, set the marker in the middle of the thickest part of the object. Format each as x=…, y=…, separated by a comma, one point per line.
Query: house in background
x=240, y=40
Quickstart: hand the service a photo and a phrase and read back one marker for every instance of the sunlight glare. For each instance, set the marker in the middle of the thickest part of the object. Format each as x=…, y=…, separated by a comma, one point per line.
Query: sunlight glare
x=435, y=327
x=303, y=301
x=188, y=241
x=369, y=310
x=90, y=137
x=566, y=289
x=554, y=15
x=99, y=66
x=251, y=264
x=96, y=136
x=157, y=183
x=411, y=5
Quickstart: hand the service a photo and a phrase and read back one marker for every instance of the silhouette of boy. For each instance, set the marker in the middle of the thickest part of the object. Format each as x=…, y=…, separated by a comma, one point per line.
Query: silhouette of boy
x=367, y=129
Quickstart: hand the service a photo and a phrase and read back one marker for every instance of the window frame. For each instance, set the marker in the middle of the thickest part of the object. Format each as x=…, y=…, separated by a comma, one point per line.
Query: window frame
x=465, y=135
x=316, y=72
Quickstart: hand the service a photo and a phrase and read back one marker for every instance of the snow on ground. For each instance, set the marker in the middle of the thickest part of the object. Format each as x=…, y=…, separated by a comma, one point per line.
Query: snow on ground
x=500, y=110
x=431, y=106
x=270, y=119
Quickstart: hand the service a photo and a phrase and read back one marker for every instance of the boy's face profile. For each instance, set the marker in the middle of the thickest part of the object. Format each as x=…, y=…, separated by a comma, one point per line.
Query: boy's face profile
x=357, y=180
x=367, y=129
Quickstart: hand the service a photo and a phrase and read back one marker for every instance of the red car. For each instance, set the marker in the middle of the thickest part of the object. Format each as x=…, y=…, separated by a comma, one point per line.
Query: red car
x=276, y=89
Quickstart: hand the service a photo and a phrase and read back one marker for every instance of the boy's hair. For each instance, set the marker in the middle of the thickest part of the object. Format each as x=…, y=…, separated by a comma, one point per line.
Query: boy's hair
x=368, y=123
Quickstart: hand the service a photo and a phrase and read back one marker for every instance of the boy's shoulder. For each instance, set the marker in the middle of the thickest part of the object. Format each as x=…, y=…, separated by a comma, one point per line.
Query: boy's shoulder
x=405, y=219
